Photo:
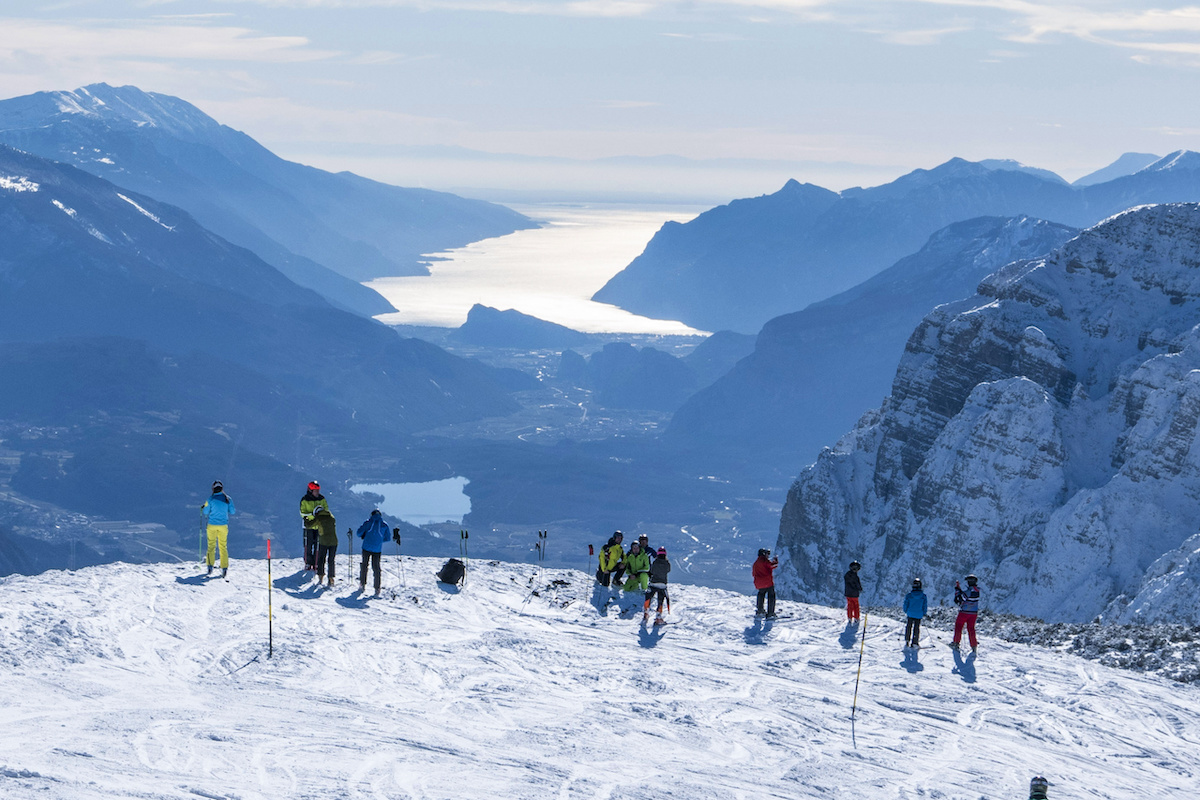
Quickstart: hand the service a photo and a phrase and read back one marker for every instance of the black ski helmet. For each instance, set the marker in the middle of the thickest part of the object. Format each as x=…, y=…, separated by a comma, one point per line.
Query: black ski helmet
x=764, y=553
x=972, y=580
x=916, y=583
x=855, y=565
x=1038, y=784
x=217, y=487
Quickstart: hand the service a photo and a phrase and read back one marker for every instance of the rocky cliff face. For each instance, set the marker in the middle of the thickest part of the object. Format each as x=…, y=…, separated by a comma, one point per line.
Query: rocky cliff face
x=1038, y=434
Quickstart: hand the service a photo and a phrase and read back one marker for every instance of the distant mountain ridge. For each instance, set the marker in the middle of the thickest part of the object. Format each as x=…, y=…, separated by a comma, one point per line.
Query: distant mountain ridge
x=160, y=350
x=813, y=373
x=304, y=221
x=739, y=265
x=1040, y=434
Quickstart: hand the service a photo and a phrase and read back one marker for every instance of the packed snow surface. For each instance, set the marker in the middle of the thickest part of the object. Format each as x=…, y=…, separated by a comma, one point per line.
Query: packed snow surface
x=152, y=681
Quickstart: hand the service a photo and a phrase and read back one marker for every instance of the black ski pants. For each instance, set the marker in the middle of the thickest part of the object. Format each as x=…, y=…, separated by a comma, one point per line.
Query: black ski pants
x=912, y=632
x=311, y=537
x=374, y=560
x=653, y=591
x=325, y=555
x=767, y=594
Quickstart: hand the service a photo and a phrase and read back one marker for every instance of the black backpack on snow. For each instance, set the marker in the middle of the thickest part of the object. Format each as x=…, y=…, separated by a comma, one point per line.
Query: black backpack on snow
x=452, y=572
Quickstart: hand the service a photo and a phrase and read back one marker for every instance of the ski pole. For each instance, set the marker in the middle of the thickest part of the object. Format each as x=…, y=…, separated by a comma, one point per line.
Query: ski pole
x=350, y=555
x=591, y=552
x=270, y=615
x=399, y=558
x=203, y=536
x=462, y=541
x=861, y=648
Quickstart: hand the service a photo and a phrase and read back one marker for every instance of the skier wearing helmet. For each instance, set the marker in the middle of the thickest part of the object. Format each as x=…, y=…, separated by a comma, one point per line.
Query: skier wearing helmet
x=853, y=590
x=308, y=505
x=658, y=585
x=968, y=609
x=915, y=606
x=1038, y=787
x=764, y=581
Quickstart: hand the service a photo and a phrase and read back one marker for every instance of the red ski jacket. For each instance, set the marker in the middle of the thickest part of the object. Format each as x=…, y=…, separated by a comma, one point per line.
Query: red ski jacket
x=764, y=573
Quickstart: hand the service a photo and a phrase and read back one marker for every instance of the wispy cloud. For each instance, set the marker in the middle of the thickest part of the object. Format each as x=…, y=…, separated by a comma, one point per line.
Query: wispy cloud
x=155, y=39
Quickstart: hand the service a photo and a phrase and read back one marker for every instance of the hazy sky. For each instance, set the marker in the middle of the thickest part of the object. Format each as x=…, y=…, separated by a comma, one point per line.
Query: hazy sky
x=838, y=93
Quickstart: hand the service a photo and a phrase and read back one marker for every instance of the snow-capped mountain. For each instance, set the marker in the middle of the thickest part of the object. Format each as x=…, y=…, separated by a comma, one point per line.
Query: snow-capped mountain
x=301, y=220
x=1127, y=164
x=143, y=354
x=153, y=682
x=1039, y=434
x=740, y=265
x=814, y=372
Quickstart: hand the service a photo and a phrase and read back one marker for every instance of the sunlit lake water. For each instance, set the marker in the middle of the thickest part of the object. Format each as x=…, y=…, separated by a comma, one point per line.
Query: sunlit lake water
x=549, y=272
x=422, y=503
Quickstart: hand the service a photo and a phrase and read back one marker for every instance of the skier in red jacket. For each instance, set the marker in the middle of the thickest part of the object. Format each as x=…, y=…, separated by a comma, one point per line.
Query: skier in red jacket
x=764, y=580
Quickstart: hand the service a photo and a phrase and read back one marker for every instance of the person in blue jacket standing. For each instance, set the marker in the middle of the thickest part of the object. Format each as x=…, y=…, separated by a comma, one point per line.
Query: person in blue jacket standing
x=374, y=532
x=916, y=604
x=217, y=509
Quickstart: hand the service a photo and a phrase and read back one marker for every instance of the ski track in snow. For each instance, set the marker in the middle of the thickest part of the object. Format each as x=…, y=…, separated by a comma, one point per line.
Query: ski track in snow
x=150, y=681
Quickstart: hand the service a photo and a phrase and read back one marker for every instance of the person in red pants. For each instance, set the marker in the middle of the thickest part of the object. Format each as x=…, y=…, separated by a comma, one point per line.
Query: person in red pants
x=968, y=609
x=853, y=590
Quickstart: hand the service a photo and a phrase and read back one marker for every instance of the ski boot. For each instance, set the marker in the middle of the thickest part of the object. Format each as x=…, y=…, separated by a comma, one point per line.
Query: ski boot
x=224, y=571
x=209, y=570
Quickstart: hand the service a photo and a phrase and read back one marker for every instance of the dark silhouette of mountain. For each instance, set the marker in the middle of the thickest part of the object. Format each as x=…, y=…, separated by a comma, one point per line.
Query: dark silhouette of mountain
x=717, y=354
x=84, y=258
x=814, y=372
x=1127, y=164
x=490, y=327
x=304, y=221
x=739, y=265
x=161, y=356
x=624, y=376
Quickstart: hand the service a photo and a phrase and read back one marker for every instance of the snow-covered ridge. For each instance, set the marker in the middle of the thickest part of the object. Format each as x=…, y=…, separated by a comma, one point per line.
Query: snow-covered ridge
x=1040, y=434
x=153, y=681
x=16, y=183
x=145, y=212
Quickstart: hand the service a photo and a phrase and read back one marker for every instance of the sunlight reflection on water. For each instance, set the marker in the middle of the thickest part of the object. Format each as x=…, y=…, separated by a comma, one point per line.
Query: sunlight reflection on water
x=422, y=503
x=550, y=272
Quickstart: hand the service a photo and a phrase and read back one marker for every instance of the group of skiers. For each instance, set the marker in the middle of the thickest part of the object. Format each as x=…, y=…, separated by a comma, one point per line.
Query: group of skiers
x=320, y=535
x=644, y=569
x=916, y=605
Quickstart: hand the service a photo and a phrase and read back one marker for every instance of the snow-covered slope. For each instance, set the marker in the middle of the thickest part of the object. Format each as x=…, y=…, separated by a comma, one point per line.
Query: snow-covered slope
x=1040, y=434
x=151, y=682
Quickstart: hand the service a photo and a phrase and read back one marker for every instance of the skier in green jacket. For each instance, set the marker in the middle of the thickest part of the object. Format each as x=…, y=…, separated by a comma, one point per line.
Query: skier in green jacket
x=637, y=566
x=327, y=542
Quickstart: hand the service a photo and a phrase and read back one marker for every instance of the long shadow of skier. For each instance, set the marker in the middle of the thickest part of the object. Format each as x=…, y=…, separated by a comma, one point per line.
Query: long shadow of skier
x=964, y=667
x=601, y=599
x=911, y=663
x=356, y=600
x=849, y=636
x=449, y=588
x=649, y=635
x=290, y=583
x=195, y=580
x=756, y=633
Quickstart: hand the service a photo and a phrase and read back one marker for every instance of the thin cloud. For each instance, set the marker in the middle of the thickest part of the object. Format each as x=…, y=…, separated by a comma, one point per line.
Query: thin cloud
x=150, y=40
x=630, y=104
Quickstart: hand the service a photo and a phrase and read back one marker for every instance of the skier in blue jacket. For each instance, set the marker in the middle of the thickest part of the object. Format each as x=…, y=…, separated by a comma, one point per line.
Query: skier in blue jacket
x=217, y=509
x=916, y=604
x=374, y=532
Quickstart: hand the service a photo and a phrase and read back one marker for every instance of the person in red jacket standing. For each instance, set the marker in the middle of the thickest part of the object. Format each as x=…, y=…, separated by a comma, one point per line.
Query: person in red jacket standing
x=764, y=580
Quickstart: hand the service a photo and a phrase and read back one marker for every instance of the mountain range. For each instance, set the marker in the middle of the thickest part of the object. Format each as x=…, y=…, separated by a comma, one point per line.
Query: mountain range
x=323, y=230
x=145, y=355
x=1040, y=434
x=812, y=373
x=739, y=265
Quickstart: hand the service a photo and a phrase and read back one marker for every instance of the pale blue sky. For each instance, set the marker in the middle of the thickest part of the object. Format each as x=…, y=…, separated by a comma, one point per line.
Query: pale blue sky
x=838, y=93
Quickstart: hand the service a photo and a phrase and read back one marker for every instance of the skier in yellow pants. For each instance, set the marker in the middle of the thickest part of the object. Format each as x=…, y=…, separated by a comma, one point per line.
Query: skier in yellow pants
x=217, y=509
